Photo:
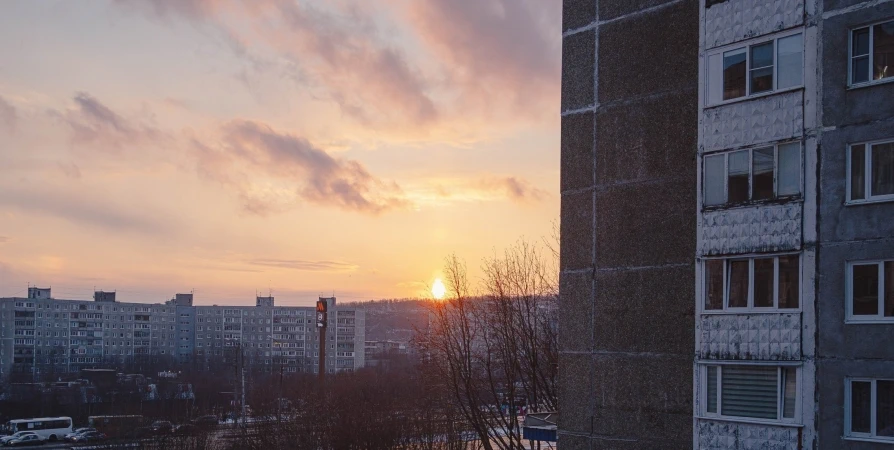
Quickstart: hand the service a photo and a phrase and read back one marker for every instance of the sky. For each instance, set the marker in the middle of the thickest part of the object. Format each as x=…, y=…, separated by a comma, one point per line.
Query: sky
x=296, y=147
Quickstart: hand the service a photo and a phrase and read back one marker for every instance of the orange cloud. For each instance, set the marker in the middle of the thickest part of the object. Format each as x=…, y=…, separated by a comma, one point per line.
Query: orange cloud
x=270, y=169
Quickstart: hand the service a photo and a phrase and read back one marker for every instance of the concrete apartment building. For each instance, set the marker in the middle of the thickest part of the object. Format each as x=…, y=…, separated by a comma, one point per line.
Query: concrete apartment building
x=40, y=335
x=792, y=144
x=628, y=224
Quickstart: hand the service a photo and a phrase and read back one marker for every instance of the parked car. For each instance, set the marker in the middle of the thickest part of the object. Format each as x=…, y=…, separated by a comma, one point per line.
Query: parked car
x=28, y=439
x=17, y=435
x=140, y=433
x=205, y=421
x=90, y=436
x=161, y=427
x=76, y=432
x=186, y=429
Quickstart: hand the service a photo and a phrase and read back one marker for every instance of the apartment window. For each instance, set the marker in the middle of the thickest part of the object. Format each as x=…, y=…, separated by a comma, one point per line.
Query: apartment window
x=752, y=175
x=750, y=391
x=870, y=172
x=767, y=66
x=770, y=282
x=872, y=53
x=870, y=291
x=869, y=409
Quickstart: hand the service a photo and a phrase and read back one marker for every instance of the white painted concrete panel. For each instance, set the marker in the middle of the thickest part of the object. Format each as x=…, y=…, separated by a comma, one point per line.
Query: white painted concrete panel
x=765, y=228
x=737, y=20
x=766, y=337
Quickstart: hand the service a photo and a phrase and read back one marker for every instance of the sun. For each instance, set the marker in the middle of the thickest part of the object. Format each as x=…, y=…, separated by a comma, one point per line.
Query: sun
x=437, y=289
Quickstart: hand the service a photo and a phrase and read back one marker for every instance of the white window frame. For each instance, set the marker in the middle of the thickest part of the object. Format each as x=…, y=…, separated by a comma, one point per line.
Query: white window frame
x=850, y=57
x=747, y=46
x=725, y=154
x=750, y=308
x=867, y=182
x=780, y=392
x=873, y=400
x=849, y=293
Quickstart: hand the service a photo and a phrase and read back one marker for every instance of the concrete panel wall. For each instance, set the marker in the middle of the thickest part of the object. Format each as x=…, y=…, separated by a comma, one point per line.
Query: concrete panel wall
x=737, y=20
x=717, y=435
x=757, y=121
x=848, y=232
x=628, y=224
x=767, y=228
x=764, y=336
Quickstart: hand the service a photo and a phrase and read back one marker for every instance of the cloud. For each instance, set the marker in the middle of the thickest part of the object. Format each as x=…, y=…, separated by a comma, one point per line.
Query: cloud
x=76, y=208
x=338, y=48
x=4, y=239
x=496, y=53
x=306, y=265
x=514, y=188
x=8, y=116
x=92, y=123
x=271, y=169
x=482, y=189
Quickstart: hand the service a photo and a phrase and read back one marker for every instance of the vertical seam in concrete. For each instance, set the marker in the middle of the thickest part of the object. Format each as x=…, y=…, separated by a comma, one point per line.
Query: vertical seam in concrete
x=593, y=287
x=818, y=124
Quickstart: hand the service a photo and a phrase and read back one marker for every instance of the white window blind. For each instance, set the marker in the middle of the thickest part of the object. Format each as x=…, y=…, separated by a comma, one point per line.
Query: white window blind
x=750, y=391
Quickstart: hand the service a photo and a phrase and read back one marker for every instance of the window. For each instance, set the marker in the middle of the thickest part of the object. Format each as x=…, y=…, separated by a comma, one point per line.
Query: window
x=752, y=175
x=751, y=391
x=870, y=172
x=765, y=282
x=872, y=53
x=870, y=291
x=762, y=67
x=869, y=409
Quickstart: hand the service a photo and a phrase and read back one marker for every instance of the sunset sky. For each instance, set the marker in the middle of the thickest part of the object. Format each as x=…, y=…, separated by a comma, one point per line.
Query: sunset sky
x=159, y=146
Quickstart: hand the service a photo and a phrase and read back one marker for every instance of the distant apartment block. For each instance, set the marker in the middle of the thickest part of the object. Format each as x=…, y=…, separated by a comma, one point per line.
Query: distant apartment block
x=40, y=335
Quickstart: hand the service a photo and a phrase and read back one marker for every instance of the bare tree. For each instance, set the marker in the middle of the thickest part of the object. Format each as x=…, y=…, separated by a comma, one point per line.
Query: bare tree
x=496, y=351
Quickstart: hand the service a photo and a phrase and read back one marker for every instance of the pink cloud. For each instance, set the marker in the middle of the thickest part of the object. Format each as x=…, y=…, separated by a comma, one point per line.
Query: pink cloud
x=270, y=169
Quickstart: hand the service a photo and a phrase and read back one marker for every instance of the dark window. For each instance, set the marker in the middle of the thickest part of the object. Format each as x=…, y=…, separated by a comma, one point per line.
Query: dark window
x=738, y=283
x=734, y=68
x=884, y=408
x=789, y=286
x=865, y=289
x=861, y=406
x=889, y=289
x=882, y=169
x=762, y=68
x=762, y=163
x=860, y=55
x=737, y=178
x=858, y=172
x=763, y=283
x=714, y=284
x=712, y=389
x=883, y=50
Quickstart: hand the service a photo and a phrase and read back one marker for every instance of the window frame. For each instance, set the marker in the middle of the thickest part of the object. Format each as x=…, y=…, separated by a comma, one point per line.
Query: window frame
x=780, y=392
x=747, y=44
x=750, y=308
x=867, y=176
x=873, y=403
x=776, y=197
x=880, y=317
x=850, y=57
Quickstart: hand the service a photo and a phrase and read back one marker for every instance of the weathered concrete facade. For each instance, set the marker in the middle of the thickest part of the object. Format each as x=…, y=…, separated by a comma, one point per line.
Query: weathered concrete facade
x=773, y=282
x=824, y=114
x=629, y=127
x=848, y=232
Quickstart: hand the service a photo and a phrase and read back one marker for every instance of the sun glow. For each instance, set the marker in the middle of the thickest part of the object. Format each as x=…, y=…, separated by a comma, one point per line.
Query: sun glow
x=438, y=289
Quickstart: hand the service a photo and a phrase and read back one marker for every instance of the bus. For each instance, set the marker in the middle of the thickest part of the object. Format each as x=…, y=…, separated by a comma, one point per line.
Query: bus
x=115, y=426
x=48, y=428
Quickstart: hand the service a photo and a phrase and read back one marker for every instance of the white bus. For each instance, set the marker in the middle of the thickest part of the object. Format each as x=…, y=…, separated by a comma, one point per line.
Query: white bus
x=48, y=428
